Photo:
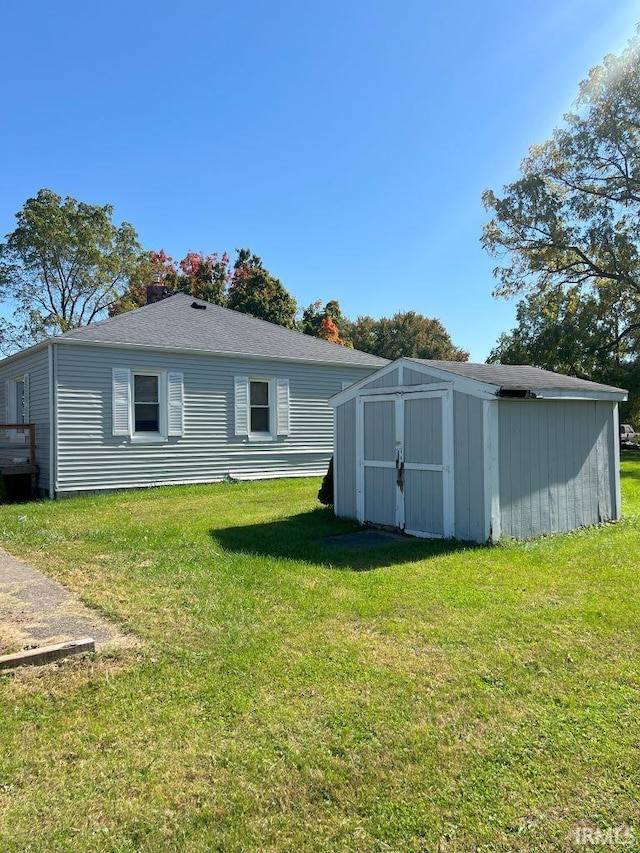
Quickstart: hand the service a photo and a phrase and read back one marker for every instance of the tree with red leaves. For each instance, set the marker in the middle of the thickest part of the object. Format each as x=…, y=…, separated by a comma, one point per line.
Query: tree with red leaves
x=152, y=268
x=206, y=276
x=328, y=331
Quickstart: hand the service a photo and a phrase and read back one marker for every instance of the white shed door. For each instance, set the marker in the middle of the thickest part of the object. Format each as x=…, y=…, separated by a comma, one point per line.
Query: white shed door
x=404, y=461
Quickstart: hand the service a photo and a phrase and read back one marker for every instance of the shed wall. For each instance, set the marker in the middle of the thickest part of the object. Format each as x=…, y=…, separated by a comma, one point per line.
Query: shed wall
x=468, y=450
x=90, y=457
x=418, y=377
x=387, y=381
x=344, y=461
x=37, y=366
x=557, y=468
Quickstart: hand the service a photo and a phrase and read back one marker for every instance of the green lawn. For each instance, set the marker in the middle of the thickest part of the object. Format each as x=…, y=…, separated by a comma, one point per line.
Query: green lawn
x=293, y=697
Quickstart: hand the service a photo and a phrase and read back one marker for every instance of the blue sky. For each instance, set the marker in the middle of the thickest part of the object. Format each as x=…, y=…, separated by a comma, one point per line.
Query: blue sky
x=347, y=143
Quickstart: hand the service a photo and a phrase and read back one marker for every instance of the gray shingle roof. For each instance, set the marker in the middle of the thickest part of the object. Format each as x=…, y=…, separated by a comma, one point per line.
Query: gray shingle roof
x=518, y=377
x=173, y=324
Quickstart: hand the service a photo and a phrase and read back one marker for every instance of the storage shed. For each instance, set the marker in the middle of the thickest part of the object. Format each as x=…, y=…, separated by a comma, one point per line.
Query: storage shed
x=477, y=452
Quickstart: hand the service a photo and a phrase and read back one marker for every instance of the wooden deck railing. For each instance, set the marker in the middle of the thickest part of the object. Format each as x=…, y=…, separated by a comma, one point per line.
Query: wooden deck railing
x=18, y=452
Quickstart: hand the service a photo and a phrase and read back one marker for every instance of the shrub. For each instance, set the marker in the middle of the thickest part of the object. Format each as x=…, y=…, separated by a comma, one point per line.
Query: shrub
x=325, y=495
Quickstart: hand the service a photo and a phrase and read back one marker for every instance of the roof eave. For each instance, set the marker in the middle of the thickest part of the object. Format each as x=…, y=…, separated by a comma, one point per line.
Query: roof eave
x=220, y=353
x=619, y=395
x=28, y=351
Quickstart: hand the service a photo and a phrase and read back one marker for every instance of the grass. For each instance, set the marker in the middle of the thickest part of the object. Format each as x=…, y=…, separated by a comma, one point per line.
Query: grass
x=291, y=696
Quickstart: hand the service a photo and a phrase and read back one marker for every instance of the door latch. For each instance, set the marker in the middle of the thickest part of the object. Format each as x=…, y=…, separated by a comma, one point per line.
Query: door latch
x=399, y=471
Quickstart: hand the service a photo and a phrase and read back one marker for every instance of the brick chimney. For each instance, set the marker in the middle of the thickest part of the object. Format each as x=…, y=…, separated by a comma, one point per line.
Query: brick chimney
x=157, y=291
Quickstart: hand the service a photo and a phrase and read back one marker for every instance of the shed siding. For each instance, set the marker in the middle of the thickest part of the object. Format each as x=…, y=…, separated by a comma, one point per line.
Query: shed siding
x=37, y=366
x=386, y=381
x=557, y=468
x=345, y=460
x=418, y=377
x=380, y=496
x=91, y=457
x=468, y=452
x=379, y=430
x=423, y=501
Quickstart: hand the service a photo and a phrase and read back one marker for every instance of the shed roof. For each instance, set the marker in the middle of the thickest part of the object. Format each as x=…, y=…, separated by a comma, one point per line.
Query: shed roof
x=173, y=323
x=488, y=381
x=518, y=377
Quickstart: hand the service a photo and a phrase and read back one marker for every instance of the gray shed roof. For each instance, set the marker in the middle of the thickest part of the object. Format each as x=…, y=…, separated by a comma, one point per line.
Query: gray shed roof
x=173, y=324
x=518, y=377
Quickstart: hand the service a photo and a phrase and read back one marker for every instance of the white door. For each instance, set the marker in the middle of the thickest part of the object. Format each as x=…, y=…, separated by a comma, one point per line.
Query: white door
x=405, y=466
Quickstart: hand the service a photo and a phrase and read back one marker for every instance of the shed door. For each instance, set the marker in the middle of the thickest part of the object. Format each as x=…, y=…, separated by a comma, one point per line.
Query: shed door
x=406, y=470
x=380, y=460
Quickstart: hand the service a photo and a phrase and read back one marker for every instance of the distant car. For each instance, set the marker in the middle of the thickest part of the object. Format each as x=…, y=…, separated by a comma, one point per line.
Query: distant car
x=627, y=435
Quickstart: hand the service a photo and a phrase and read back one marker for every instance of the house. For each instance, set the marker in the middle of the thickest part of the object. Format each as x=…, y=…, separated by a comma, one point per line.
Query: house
x=179, y=391
x=476, y=451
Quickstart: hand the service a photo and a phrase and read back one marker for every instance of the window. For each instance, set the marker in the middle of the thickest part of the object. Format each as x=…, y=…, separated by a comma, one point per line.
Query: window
x=17, y=405
x=146, y=403
x=19, y=402
x=260, y=409
x=147, y=407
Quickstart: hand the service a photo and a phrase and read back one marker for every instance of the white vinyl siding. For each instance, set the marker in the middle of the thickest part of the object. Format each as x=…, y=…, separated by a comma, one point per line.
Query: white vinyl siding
x=35, y=366
x=211, y=447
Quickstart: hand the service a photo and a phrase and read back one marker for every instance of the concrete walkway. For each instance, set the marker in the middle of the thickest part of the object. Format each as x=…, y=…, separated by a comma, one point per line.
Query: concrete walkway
x=37, y=611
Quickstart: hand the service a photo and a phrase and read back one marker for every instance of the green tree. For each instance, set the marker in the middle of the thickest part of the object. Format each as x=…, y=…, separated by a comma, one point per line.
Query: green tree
x=405, y=334
x=205, y=276
x=557, y=330
x=578, y=333
x=63, y=266
x=570, y=223
x=317, y=318
x=253, y=290
x=151, y=268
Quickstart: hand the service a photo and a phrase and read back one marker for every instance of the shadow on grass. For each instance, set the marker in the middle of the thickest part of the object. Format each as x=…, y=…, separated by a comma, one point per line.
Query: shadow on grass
x=301, y=537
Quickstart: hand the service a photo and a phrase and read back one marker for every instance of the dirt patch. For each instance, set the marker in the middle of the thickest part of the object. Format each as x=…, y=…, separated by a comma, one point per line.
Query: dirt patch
x=37, y=611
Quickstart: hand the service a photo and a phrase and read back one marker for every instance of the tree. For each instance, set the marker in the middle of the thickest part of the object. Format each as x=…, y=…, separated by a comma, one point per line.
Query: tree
x=151, y=268
x=203, y=277
x=576, y=333
x=328, y=322
x=206, y=276
x=62, y=266
x=328, y=331
x=571, y=223
x=405, y=334
x=255, y=291
x=557, y=330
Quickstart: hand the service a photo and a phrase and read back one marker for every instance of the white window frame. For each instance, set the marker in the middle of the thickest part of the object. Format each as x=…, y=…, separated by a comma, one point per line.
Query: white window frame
x=271, y=434
x=17, y=436
x=149, y=437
